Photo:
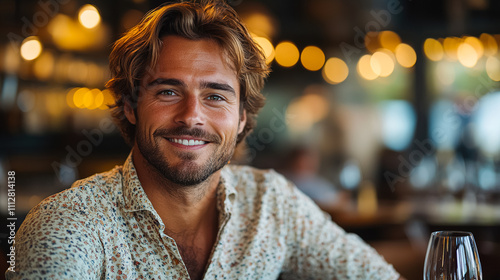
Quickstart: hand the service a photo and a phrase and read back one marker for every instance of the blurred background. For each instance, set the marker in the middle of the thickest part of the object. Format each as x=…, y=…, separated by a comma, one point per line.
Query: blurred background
x=385, y=112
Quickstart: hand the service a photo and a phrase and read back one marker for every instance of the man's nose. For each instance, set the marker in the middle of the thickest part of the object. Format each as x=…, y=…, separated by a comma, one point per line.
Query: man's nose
x=190, y=112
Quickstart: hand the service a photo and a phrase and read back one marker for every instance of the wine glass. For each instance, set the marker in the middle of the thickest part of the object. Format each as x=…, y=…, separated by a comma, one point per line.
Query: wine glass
x=452, y=255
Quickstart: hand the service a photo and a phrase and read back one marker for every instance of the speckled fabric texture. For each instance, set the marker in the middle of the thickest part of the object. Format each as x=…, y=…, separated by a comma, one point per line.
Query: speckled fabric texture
x=105, y=227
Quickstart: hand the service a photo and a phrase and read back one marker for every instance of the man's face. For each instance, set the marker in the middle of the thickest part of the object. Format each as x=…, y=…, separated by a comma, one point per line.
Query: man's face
x=187, y=118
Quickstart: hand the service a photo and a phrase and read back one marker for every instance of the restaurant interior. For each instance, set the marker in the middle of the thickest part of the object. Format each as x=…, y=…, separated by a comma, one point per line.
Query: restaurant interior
x=385, y=112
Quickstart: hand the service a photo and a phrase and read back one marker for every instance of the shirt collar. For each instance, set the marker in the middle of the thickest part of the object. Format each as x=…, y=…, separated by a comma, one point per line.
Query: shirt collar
x=226, y=191
x=133, y=194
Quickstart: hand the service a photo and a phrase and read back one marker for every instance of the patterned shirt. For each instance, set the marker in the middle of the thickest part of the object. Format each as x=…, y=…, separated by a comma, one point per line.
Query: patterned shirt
x=105, y=227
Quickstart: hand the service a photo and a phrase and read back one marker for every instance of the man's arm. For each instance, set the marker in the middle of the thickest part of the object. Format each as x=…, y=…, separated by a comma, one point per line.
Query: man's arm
x=319, y=249
x=56, y=243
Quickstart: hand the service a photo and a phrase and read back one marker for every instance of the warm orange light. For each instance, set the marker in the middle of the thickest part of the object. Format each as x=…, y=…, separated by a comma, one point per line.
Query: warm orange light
x=89, y=16
x=335, y=70
x=78, y=97
x=108, y=99
x=476, y=44
x=450, y=45
x=489, y=43
x=93, y=99
x=433, y=49
x=261, y=24
x=405, y=55
x=365, y=69
x=68, y=34
x=312, y=58
x=98, y=99
x=287, y=54
x=43, y=67
x=70, y=97
x=467, y=55
x=267, y=47
x=375, y=66
x=383, y=62
x=88, y=99
x=389, y=40
x=31, y=48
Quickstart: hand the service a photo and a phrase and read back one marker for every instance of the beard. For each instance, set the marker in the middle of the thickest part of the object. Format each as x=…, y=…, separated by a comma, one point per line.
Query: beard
x=187, y=172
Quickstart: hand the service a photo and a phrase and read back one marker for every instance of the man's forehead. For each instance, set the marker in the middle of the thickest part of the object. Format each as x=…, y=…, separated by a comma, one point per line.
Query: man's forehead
x=174, y=43
x=181, y=56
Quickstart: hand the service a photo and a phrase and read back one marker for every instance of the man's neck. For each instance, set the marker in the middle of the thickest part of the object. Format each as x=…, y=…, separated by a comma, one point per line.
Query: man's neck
x=183, y=210
x=189, y=213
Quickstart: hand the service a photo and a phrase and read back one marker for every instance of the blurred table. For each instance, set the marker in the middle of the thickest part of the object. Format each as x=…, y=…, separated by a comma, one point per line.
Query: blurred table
x=400, y=230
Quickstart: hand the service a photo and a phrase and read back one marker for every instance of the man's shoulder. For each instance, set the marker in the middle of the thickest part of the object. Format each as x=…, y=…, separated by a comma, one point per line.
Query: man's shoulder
x=91, y=192
x=78, y=210
x=247, y=178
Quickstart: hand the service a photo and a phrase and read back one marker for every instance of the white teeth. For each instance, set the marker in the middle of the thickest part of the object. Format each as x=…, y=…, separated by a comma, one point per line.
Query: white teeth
x=186, y=142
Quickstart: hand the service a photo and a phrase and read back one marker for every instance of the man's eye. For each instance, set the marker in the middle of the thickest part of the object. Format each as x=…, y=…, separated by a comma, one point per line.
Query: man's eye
x=167, y=92
x=215, y=98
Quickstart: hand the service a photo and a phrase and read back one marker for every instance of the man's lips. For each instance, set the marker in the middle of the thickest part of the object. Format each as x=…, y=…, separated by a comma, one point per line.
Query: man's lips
x=185, y=137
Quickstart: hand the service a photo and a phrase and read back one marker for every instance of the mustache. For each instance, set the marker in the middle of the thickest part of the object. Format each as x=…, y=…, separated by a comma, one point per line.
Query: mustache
x=184, y=131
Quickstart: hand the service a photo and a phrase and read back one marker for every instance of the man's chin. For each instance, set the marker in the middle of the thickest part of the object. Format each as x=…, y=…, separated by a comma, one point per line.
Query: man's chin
x=186, y=173
x=183, y=168
x=187, y=156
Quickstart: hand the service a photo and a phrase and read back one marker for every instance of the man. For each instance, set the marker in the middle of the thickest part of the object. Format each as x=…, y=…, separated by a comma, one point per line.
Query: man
x=187, y=82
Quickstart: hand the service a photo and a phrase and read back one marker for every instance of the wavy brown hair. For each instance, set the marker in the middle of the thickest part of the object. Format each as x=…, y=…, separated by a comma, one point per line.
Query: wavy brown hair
x=136, y=53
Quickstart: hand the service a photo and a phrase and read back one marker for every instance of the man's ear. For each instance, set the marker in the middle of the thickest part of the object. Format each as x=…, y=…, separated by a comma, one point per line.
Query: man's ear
x=243, y=121
x=130, y=113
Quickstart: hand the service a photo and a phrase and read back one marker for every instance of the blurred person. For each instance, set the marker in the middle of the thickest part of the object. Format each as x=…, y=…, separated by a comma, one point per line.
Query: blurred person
x=187, y=82
x=302, y=168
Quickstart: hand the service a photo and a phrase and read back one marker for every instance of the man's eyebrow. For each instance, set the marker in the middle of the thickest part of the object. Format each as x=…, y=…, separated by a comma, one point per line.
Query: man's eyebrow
x=204, y=85
x=218, y=86
x=171, y=82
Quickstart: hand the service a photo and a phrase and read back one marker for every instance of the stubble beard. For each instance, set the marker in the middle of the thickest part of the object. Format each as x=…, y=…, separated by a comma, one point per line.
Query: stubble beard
x=186, y=173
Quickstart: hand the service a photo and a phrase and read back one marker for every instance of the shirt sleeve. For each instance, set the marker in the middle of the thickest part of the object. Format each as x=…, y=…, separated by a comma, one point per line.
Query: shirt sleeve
x=317, y=248
x=57, y=242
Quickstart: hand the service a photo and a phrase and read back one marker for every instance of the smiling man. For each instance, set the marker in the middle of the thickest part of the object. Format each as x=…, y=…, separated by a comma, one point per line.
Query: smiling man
x=187, y=82
x=187, y=122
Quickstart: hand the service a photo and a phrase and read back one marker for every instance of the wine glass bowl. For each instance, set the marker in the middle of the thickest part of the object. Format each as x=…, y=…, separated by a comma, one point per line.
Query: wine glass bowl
x=452, y=255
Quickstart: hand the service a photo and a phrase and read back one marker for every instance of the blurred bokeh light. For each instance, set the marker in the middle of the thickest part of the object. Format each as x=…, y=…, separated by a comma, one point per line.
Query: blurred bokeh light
x=405, y=55
x=287, y=54
x=88, y=16
x=433, y=49
x=31, y=48
x=312, y=58
x=266, y=46
x=335, y=70
x=365, y=67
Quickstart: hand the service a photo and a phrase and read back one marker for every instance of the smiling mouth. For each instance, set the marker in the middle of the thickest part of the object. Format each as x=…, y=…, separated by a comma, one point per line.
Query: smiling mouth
x=186, y=142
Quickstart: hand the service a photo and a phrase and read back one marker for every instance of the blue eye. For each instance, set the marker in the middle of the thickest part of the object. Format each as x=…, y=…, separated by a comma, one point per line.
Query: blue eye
x=215, y=98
